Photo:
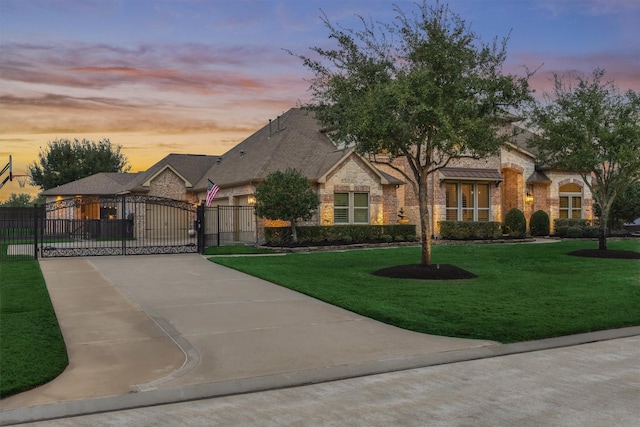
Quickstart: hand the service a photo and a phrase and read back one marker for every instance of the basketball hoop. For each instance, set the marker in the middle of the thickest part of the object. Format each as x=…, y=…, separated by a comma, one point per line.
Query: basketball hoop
x=22, y=180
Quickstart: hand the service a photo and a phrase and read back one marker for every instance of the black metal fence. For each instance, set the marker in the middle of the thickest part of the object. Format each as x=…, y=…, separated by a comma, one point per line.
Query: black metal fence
x=18, y=232
x=224, y=225
x=118, y=225
x=121, y=225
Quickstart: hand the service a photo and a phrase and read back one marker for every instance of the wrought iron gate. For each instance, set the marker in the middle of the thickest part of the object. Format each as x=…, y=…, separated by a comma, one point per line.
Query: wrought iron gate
x=121, y=225
x=118, y=225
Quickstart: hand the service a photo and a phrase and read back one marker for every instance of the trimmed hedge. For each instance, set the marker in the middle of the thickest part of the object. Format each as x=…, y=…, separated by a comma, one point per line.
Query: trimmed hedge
x=575, y=228
x=575, y=232
x=539, y=224
x=319, y=234
x=468, y=230
x=570, y=222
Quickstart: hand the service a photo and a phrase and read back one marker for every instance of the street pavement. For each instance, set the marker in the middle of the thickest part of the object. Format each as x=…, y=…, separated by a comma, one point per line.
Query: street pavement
x=596, y=384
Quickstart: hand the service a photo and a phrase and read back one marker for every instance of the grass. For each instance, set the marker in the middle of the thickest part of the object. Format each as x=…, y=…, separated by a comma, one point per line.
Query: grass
x=523, y=292
x=32, y=350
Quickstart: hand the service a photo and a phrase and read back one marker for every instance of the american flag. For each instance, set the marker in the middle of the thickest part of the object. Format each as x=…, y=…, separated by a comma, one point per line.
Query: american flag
x=211, y=193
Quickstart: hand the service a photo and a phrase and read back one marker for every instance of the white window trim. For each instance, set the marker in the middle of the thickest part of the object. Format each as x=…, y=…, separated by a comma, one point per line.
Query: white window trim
x=569, y=209
x=351, y=208
x=459, y=208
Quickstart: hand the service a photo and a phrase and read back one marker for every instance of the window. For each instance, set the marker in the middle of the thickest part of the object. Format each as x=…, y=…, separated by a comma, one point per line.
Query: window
x=361, y=208
x=351, y=208
x=467, y=202
x=571, y=201
x=341, y=208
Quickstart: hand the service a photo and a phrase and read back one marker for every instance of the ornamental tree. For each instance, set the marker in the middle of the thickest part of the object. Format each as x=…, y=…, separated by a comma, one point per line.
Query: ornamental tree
x=594, y=130
x=423, y=89
x=63, y=161
x=286, y=196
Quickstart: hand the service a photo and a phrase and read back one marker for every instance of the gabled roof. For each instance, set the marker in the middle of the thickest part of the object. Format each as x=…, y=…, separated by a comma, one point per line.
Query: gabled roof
x=104, y=183
x=520, y=140
x=385, y=178
x=293, y=140
x=189, y=167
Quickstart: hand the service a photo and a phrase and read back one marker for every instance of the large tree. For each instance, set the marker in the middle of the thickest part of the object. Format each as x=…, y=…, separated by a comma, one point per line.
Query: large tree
x=286, y=196
x=423, y=89
x=63, y=161
x=16, y=200
x=592, y=129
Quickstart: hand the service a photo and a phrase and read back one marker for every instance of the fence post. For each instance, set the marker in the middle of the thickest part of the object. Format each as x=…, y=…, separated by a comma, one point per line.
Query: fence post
x=200, y=228
x=123, y=222
x=36, y=220
x=218, y=224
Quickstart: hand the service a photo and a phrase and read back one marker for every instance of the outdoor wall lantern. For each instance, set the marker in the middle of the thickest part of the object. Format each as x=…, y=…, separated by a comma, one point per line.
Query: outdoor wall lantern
x=252, y=200
x=529, y=196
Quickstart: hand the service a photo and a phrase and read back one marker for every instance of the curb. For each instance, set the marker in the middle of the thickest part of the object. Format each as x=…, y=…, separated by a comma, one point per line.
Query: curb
x=296, y=379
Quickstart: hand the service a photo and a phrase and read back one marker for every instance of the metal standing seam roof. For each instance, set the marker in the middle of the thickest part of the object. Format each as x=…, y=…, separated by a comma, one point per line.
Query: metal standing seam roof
x=538, y=177
x=471, y=174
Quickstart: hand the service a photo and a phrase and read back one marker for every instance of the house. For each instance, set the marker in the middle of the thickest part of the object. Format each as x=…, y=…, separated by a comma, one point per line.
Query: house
x=352, y=190
x=486, y=189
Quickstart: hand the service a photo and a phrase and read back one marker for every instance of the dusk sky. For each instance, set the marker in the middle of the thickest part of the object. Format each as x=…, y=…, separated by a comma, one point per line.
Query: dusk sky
x=199, y=76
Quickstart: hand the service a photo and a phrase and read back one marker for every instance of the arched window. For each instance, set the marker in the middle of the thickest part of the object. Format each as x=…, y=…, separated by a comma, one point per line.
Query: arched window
x=571, y=201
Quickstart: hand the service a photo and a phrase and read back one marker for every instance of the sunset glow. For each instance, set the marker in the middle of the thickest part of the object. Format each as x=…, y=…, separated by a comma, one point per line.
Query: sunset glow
x=190, y=76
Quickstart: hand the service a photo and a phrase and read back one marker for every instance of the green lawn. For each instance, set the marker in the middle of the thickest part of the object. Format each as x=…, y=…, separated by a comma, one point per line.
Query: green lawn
x=523, y=292
x=32, y=351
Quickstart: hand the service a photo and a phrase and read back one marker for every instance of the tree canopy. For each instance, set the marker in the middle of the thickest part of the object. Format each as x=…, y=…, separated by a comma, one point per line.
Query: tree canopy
x=424, y=90
x=16, y=200
x=592, y=129
x=63, y=161
x=286, y=196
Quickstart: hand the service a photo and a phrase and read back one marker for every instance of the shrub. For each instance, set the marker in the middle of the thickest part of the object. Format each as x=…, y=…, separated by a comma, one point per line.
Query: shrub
x=462, y=230
x=539, y=224
x=399, y=238
x=570, y=222
x=591, y=231
x=278, y=236
x=515, y=223
x=386, y=238
x=575, y=232
x=561, y=231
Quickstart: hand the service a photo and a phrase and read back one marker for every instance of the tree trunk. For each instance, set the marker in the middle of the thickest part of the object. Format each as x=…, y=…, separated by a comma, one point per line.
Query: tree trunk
x=425, y=223
x=602, y=233
x=604, y=220
x=294, y=234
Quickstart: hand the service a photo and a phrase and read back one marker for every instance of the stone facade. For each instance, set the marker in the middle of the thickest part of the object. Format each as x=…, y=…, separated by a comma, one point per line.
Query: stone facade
x=515, y=166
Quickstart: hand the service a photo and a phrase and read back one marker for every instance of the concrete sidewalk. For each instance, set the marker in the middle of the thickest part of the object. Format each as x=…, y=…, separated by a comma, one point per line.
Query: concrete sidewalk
x=154, y=329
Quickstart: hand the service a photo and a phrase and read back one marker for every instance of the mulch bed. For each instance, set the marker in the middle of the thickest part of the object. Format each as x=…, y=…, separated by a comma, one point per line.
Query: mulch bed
x=425, y=272
x=609, y=253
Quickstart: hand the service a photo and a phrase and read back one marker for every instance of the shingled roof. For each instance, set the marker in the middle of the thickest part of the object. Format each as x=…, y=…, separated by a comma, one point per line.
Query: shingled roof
x=521, y=138
x=293, y=140
x=104, y=183
x=190, y=167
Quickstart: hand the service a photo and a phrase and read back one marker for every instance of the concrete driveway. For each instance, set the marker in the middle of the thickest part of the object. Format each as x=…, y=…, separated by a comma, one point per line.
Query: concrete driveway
x=155, y=329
